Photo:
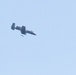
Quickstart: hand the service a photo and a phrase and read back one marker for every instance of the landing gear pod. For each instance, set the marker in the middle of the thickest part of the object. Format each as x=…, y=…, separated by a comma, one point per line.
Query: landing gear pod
x=13, y=26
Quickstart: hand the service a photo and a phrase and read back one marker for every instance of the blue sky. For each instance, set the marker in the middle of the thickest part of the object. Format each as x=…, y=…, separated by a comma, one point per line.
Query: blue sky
x=52, y=51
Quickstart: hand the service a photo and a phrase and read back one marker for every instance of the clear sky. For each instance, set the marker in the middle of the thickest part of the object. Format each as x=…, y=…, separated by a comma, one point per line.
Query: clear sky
x=52, y=51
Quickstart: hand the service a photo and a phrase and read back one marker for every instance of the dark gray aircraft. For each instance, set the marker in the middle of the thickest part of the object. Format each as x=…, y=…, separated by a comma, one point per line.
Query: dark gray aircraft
x=22, y=29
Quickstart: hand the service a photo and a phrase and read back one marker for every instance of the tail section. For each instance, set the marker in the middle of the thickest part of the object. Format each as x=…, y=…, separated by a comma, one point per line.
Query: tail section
x=13, y=26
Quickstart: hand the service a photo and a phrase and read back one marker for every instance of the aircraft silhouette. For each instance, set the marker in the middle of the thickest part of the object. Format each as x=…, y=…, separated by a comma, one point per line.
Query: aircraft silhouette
x=22, y=29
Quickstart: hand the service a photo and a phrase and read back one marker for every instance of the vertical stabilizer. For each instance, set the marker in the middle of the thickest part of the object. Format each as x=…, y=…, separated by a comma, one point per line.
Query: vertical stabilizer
x=13, y=26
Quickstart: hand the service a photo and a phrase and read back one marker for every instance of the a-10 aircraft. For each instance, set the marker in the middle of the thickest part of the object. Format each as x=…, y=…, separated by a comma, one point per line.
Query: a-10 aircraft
x=22, y=29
